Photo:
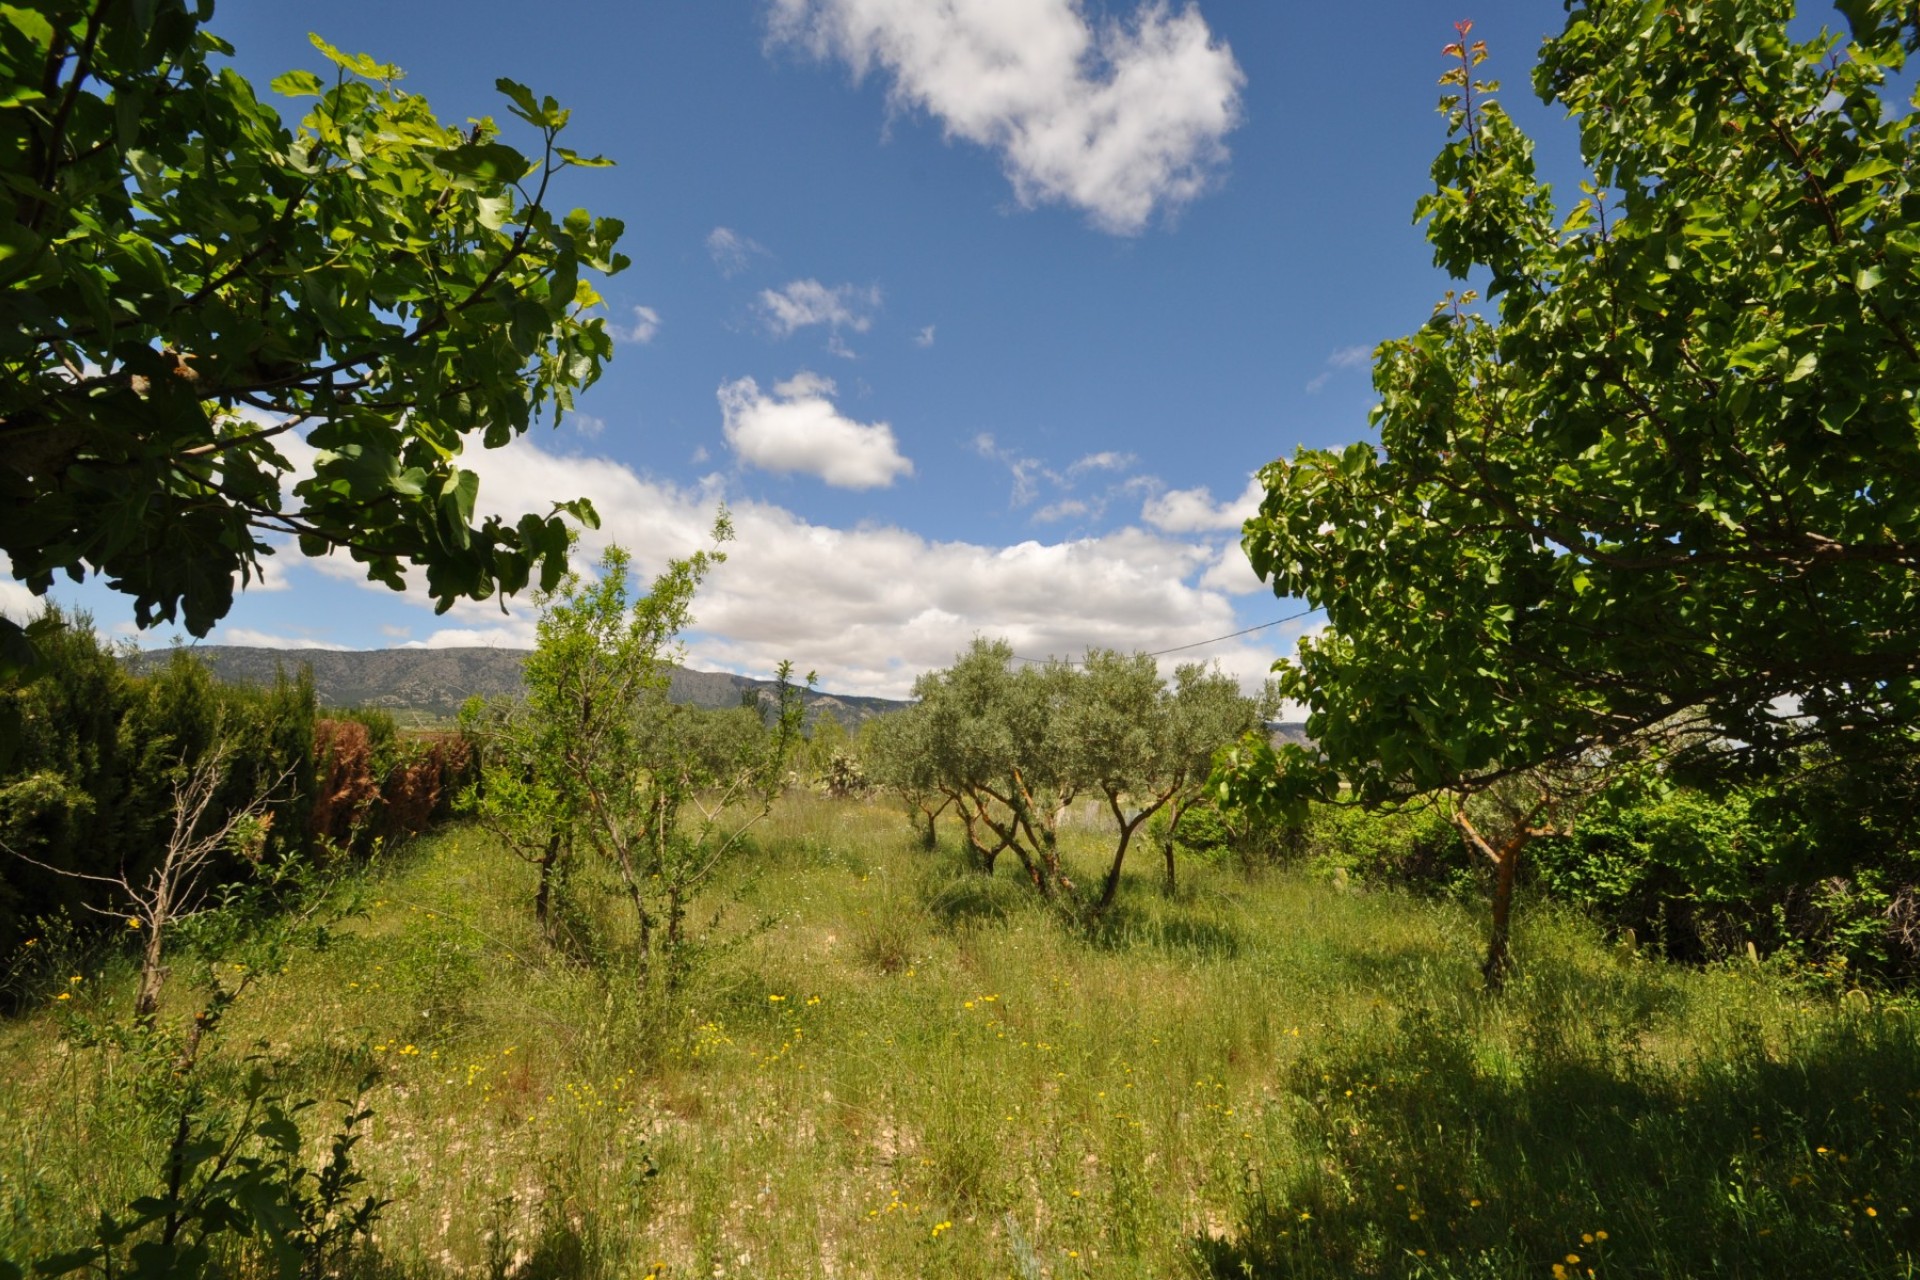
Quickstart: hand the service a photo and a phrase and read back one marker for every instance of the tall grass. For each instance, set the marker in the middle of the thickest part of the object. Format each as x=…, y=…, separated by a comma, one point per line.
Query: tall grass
x=887, y=1065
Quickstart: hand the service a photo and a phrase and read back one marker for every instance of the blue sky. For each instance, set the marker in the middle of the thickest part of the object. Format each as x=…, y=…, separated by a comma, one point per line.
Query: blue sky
x=978, y=315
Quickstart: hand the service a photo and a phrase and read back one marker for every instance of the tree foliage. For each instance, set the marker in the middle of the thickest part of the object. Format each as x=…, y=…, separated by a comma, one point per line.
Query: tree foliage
x=197, y=295
x=596, y=756
x=1011, y=749
x=1669, y=472
x=90, y=772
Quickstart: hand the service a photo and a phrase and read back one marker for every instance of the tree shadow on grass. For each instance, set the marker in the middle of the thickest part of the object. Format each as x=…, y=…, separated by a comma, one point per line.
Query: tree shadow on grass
x=1128, y=928
x=1443, y=1159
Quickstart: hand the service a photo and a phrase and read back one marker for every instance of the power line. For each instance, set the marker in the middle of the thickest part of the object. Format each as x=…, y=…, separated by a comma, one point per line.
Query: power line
x=1157, y=653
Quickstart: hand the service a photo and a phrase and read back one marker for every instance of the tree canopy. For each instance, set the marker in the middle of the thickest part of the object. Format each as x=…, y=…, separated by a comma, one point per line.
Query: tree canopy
x=1012, y=748
x=1669, y=468
x=193, y=288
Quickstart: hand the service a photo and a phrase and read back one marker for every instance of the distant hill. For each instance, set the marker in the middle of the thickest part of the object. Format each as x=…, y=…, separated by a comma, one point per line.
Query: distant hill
x=425, y=686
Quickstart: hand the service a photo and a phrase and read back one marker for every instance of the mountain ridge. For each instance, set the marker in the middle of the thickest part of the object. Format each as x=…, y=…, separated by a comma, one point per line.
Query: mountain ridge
x=430, y=684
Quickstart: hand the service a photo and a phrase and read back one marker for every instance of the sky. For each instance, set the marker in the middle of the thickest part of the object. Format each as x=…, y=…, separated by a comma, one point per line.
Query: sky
x=979, y=316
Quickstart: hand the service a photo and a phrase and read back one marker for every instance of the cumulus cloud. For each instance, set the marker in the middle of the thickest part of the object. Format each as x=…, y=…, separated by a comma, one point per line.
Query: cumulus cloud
x=17, y=602
x=732, y=252
x=869, y=607
x=1119, y=119
x=1233, y=573
x=924, y=338
x=797, y=428
x=808, y=302
x=646, y=323
x=1195, y=511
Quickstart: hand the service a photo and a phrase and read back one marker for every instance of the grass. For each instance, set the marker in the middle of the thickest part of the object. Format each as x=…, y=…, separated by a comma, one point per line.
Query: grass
x=887, y=1066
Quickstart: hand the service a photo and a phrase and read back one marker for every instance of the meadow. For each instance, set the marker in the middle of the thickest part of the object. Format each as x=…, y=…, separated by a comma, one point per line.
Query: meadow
x=883, y=1064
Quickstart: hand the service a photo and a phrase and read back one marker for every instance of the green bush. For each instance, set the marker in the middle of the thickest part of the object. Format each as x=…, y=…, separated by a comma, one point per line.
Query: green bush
x=1816, y=868
x=92, y=755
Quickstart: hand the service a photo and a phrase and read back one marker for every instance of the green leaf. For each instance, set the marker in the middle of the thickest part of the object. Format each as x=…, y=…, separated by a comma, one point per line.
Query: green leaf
x=298, y=84
x=584, y=162
x=489, y=162
x=524, y=105
x=32, y=25
x=358, y=63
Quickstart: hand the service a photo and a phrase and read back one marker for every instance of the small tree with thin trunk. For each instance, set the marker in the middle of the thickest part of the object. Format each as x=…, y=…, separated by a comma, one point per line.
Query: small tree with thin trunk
x=519, y=795
x=174, y=890
x=900, y=755
x=659, y=792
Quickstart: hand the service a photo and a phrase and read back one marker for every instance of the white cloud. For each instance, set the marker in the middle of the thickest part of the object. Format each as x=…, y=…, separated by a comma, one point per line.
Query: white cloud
x=732, y=252
x=18, y=603
x=808, y=302
x=1343, y=358
x=869, y=607
x=515, y=634
x=646, y=323
x=267, y=640
x=797, y=428
x=1233, y=574
x=1194, y=510
x=1105, y=460
x=1120, y=119
x=1065, y=509
x=924, y=338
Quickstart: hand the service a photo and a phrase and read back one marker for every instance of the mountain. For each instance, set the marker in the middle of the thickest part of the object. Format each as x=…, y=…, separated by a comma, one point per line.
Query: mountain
x=426, y=686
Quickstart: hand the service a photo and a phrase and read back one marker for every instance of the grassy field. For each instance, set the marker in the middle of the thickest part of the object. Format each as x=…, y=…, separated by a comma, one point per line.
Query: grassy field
x=888, y=1066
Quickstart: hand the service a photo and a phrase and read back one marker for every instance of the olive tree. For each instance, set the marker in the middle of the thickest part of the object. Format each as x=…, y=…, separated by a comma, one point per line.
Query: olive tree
x=1013, y=748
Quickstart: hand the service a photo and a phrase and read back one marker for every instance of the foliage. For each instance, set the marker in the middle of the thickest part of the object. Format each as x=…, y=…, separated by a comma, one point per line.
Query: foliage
x=375, y=785
x=1675, y=471
x=899, y=754
x=1166, y=1097
x=196, y=295
x=237, y=1175
x=1012, y=749
x=1703, y=875
x=89, y=786
x=597, y=756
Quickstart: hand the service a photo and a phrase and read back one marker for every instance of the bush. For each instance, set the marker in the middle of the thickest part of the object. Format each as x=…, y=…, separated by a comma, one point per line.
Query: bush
x=375, y=785
x=1816, y=867
x=1414, y=848
x=88, y=767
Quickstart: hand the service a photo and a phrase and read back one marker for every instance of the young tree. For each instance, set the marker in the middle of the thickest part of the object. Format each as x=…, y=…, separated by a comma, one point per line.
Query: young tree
x=1207, y=714
x=617, y=766
x=173, y=889
x=901, y=755
x=519, y=793
x=189, y=285
x=1675, y=472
